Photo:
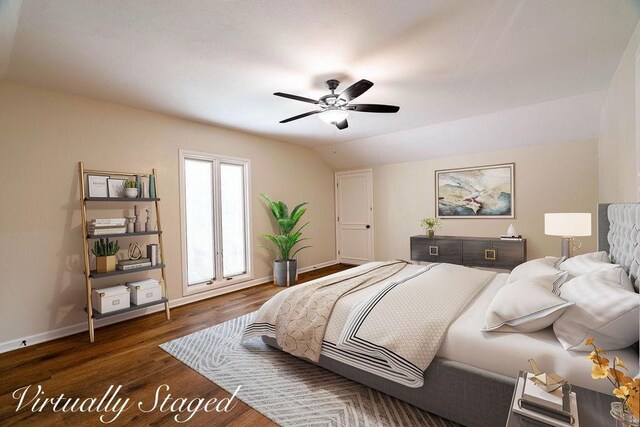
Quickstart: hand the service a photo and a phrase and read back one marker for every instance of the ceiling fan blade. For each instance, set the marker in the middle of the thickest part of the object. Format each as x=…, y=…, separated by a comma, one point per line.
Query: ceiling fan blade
x=355, y=90
x=300, y=116
x=296, y=97
x=342, y=125
x=373, y=108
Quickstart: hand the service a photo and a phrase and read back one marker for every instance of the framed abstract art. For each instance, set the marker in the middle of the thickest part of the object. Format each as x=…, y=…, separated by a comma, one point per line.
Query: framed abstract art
x=476, y=192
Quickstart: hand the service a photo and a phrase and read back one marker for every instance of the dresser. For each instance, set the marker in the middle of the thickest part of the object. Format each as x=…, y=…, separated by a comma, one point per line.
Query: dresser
x=470, y=251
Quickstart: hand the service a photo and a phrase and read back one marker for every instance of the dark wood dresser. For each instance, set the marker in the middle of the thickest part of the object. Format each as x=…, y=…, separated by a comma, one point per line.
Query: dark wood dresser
x=469, y=251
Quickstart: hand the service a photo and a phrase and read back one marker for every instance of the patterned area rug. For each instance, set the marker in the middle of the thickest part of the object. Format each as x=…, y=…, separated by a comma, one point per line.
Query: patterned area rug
x=289, y=391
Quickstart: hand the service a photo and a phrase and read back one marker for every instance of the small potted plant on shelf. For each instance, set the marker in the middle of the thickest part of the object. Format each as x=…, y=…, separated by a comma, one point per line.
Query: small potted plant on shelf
x=627, y=409
x=285, y=266
x=130, y=189
x=105, y=252
x=430, y=225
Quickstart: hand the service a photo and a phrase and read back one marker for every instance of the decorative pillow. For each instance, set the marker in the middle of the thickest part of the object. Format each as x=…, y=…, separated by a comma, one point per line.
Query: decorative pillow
x=586, y=263
x=614, y=277
x=536, y=268
x=604, y=309
x=526, y=305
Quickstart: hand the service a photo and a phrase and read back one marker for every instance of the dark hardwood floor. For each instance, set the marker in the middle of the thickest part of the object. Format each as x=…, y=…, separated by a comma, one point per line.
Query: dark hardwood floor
x=127, y=354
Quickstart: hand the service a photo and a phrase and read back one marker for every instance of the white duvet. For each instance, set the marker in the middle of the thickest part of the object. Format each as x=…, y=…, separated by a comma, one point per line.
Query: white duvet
x=395, y=328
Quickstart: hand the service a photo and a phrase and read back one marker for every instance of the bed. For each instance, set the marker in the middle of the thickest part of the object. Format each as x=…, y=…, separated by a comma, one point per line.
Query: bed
x=470, y=380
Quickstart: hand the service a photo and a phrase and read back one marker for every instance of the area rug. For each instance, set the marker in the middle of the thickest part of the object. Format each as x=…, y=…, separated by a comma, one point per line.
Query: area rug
x=287, y=390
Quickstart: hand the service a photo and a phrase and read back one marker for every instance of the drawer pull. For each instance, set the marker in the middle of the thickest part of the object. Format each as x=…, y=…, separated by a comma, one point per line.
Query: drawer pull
x=490, y=254
x=433, y=250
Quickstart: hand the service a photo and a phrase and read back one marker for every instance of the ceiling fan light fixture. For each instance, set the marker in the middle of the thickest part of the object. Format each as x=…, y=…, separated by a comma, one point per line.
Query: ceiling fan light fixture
x=334, y=108
x=333, y=116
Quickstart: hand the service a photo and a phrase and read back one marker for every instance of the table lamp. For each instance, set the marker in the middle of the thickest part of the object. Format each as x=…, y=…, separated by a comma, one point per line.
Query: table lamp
x=567, y=226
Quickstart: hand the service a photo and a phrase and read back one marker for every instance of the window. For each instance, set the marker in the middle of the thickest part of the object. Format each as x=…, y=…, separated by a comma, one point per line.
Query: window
x=215, y=220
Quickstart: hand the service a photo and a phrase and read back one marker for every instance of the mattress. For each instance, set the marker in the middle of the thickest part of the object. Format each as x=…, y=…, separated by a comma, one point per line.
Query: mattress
x=507, y=353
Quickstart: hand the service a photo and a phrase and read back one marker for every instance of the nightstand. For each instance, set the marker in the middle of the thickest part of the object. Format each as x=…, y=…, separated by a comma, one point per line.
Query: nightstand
x=593, y=410
x=518, y=420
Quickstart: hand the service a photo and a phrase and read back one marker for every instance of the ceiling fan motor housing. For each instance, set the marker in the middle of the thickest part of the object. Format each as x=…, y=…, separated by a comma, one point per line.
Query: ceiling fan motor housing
x=332, y=84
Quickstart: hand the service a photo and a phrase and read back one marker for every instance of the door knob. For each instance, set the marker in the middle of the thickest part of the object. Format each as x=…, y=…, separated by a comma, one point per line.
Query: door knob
x=368, y=226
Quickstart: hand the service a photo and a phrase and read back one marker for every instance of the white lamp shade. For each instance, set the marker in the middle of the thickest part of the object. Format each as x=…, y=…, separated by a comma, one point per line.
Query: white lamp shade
x=333, y=116
x=567, y=224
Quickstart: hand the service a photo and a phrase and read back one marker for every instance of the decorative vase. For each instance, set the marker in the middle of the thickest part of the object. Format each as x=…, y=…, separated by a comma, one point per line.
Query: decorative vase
x=152, y=186
x=105, y=264
x=431, y=233
x=285, y=272
x=130, y=222
x=131, y=193
x=623, y=418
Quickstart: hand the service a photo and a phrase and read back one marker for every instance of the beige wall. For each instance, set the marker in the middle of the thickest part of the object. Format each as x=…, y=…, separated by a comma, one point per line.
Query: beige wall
x=549, y=178
x=43, y=134
x=617, y=144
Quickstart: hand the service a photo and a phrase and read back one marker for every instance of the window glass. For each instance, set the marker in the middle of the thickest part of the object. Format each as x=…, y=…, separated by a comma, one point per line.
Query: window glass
x=199, y=221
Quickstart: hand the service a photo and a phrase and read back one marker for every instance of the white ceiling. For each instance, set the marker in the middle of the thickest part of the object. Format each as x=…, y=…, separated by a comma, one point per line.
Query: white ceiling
x=219, y=62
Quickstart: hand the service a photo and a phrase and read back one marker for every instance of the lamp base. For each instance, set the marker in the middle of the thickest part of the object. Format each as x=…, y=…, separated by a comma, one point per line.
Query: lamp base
x=567, y=244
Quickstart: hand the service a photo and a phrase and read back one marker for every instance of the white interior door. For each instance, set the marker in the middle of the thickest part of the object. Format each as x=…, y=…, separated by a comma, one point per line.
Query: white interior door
x=354, y=216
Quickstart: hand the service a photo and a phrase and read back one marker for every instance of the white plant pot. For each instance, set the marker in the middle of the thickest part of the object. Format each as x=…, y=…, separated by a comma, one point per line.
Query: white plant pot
x=131, y=193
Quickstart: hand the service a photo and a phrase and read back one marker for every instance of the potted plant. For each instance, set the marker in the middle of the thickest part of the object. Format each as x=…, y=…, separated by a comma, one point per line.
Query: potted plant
x=430, y=224
x=285, y=266
x=130, y=189
x=105, y=252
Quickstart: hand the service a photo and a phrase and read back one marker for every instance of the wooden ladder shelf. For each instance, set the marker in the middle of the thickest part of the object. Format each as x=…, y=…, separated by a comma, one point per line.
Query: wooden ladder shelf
x=90, y=275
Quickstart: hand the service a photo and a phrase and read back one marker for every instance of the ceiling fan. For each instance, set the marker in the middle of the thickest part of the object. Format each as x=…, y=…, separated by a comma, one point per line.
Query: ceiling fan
x=334, y=109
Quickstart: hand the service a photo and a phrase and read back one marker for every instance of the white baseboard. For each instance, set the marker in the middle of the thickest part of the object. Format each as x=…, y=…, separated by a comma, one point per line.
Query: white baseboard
x=82, y=327
x=317, y=266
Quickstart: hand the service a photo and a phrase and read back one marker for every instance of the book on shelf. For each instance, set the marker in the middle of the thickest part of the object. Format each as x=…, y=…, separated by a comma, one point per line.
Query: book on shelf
x=133, y=261
x=133, y=266
x=105, y=227
x=106, y=231
x=557, y=409
x=105, y=222
x=511, y=238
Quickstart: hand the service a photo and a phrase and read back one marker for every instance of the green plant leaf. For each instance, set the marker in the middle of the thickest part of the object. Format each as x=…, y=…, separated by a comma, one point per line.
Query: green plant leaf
x=299, y=249
x=274, y=206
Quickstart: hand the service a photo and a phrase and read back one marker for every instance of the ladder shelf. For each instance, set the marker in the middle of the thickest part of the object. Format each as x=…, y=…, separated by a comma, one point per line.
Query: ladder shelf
x=91, y=275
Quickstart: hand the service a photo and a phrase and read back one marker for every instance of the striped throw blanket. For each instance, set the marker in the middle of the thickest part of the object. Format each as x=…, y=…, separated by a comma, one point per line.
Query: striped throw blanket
x=384, y=318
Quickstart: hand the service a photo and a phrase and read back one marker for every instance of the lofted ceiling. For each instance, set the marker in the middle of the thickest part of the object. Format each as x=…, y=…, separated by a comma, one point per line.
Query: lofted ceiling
x=218, y=62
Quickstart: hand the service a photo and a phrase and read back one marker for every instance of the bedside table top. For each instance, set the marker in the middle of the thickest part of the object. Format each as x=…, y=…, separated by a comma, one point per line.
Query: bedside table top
x=593, y=410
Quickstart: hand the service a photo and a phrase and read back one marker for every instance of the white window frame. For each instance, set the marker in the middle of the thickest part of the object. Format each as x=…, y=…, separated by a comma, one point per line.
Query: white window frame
x=219, y=281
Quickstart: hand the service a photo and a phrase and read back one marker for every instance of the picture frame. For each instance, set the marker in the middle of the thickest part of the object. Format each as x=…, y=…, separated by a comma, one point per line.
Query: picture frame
x=97, y=185
x=116, y=187
x=483, y=192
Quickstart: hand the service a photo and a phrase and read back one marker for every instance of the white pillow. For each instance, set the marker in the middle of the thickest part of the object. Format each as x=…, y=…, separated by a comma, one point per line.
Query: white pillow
x=526, y=305
x=586, y=263
x=615, y=277
x=604, y=309
x=536, y=268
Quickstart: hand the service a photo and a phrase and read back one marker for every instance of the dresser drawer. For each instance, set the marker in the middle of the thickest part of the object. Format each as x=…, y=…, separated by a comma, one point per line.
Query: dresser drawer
x=474, y=253
x=508, y=254
x=422, y=249
x=436, y=250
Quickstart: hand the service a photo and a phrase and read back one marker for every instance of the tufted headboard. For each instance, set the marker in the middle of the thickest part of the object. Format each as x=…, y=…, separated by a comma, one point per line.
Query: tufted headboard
x=619, y=235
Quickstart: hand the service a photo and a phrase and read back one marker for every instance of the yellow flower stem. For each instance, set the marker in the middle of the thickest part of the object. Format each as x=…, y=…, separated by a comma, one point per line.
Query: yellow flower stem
x=614, y=384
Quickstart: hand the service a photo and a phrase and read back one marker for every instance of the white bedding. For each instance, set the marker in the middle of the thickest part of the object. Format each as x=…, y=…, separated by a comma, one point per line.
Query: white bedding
x=506, y=353
x=498, y=352
x=394, y=332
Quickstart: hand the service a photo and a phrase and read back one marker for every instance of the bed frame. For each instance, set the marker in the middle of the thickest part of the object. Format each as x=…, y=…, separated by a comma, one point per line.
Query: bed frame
x=478, y=398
